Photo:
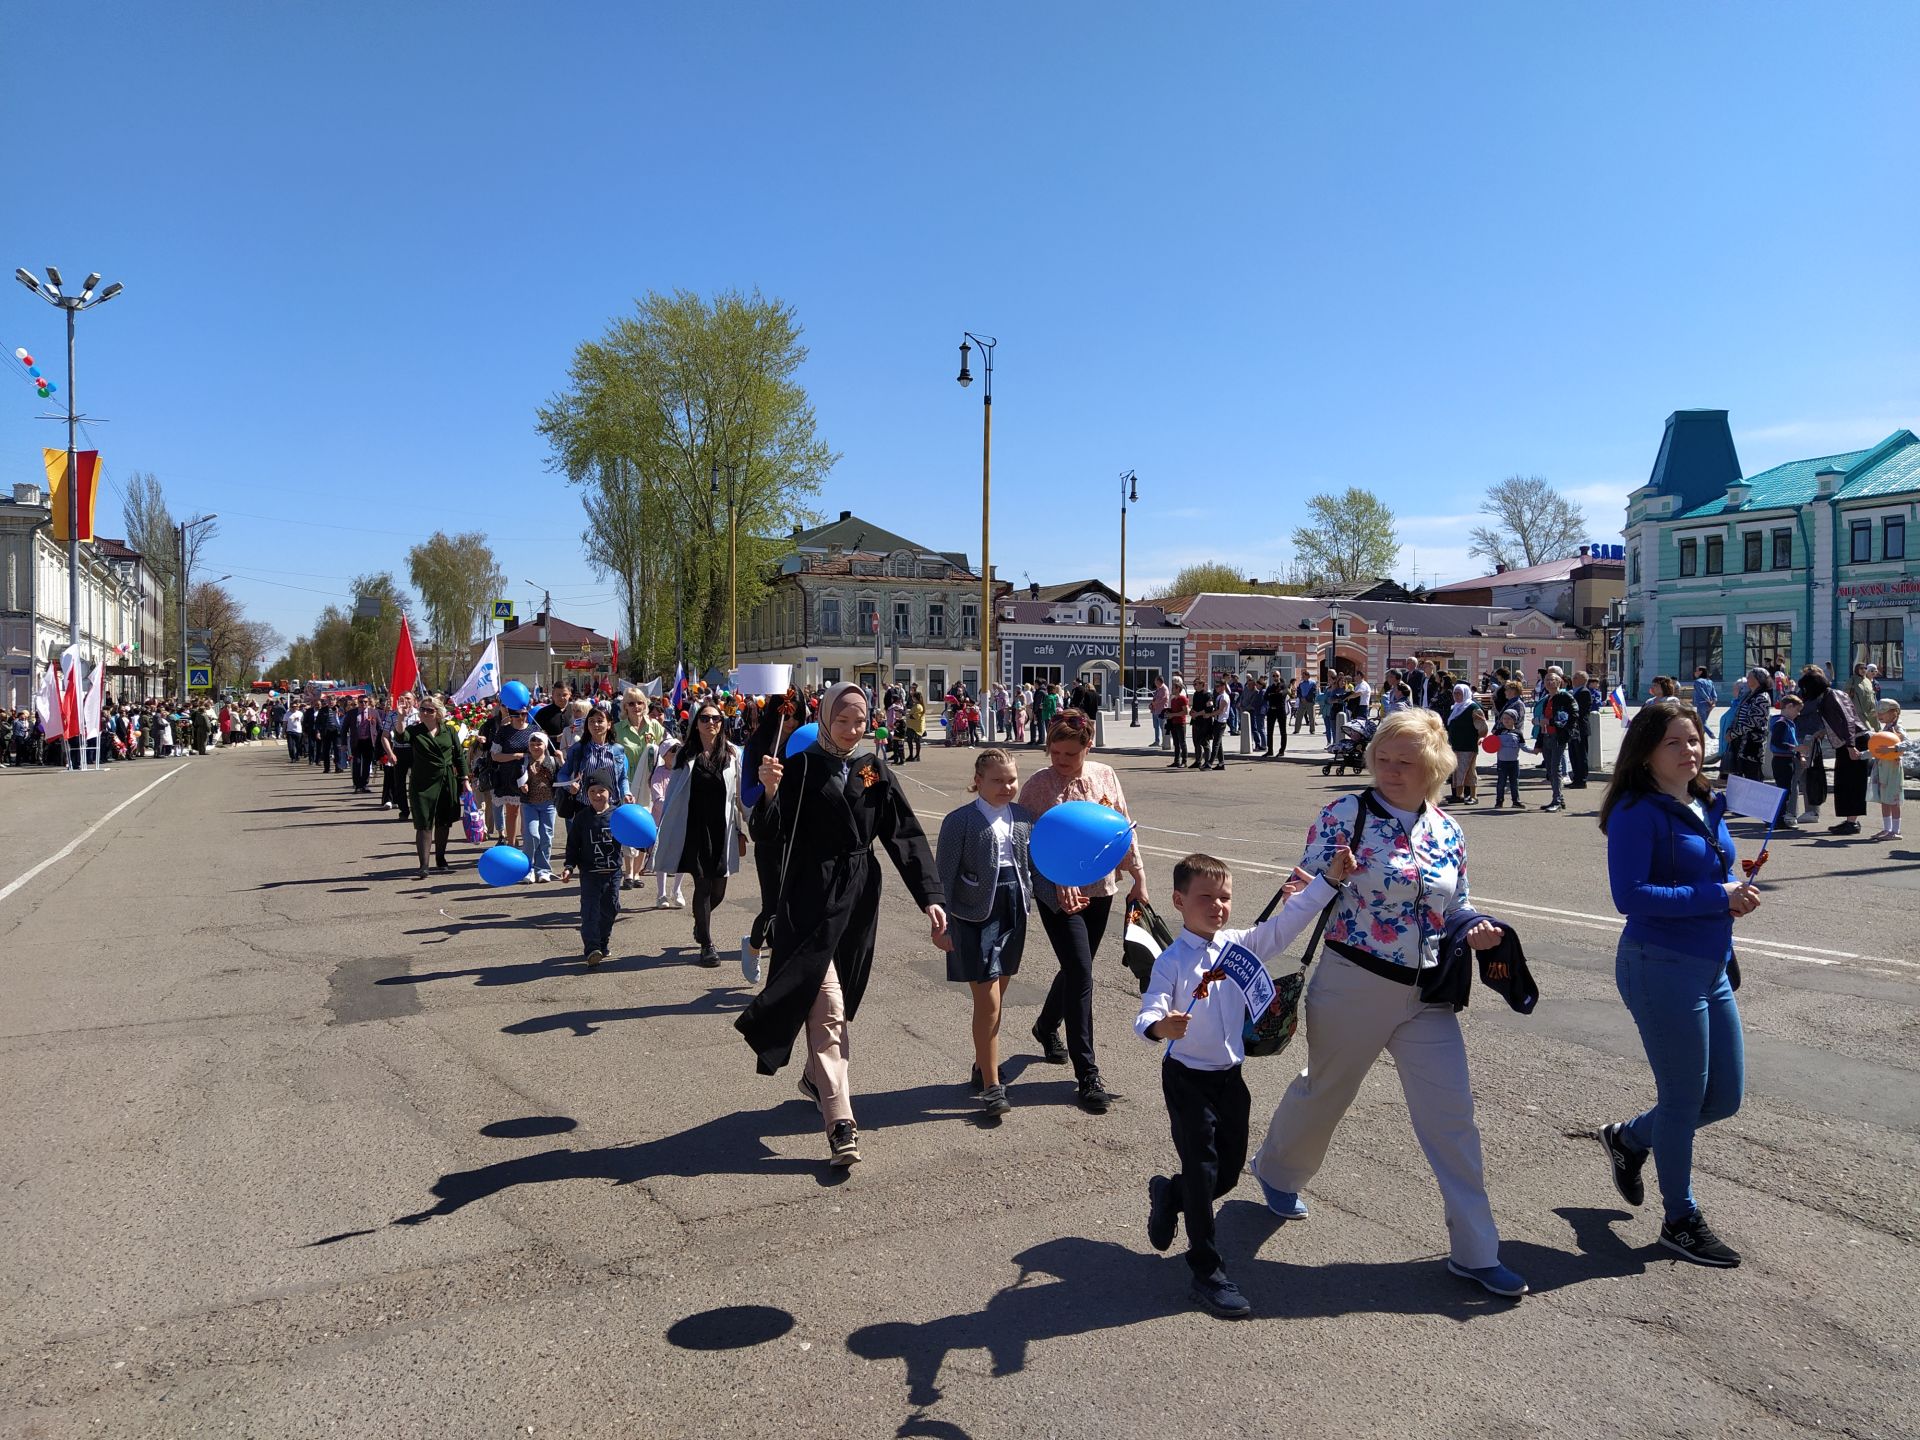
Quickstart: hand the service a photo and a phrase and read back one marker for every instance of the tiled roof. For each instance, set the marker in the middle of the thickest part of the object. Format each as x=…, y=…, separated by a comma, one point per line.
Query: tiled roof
x=1542, y=574
x=1783, y=485
x=1281, y=614
x=1894, y=472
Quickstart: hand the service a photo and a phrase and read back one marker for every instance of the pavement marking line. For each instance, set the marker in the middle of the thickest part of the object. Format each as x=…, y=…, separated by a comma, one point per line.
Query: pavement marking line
x=75, y=843
x=1611, y=925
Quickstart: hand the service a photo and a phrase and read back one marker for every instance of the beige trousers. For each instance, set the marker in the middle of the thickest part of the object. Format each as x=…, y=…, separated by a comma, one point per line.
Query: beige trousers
x=1352, y=1015
x=829, y=1049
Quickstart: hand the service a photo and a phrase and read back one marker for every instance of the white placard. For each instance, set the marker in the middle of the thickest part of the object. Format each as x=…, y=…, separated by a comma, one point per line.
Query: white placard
x=1750, y=797
x=762, y=679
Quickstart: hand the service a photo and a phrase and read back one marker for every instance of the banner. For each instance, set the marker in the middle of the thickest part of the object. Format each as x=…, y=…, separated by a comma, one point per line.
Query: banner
x=88, y=463
x=483, y=682
x=762, y=679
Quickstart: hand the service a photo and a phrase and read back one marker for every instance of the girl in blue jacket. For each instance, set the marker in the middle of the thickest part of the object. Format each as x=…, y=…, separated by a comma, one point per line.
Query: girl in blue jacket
x=1672, y=867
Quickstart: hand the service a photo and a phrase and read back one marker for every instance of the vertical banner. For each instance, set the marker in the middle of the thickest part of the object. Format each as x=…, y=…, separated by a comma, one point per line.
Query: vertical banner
x=88, y=464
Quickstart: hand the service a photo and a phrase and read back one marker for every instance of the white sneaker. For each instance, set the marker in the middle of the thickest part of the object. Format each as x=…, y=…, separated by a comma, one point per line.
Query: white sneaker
x=749, y=961
x=679, y=903
x=1810, y=817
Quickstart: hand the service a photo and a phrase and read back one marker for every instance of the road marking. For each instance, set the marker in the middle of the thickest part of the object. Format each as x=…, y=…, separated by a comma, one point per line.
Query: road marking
x=1609, y=924
x=75, y=843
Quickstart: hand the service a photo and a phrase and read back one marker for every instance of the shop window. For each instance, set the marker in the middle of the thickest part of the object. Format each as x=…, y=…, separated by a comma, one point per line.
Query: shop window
x=1880, y=642
x=1770, y=645
x=1689, y=558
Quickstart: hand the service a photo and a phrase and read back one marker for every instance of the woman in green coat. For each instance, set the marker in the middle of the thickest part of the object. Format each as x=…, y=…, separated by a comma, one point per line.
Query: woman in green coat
x=436, y=781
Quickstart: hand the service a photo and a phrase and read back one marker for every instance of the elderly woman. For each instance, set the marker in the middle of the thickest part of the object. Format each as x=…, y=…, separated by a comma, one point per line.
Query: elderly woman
x=1075, y=919
x=436, y=779
x=1466, y=723
x=1407, y=897
x=1743, y=745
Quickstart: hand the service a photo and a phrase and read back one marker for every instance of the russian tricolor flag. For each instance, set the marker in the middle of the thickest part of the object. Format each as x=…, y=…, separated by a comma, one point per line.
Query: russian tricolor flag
x=1618, y=699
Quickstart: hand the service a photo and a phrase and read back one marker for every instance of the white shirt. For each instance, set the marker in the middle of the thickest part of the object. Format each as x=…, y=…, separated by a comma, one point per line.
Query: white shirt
x=1215, y=1038
x=1001, y=818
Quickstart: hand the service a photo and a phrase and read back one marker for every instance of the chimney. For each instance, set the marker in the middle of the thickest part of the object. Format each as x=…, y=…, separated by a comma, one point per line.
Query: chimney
x=846, y=514
x=796, y=532
x=26, y=495
x=1033, y=589
x=1584, y=550
x=1499, y=569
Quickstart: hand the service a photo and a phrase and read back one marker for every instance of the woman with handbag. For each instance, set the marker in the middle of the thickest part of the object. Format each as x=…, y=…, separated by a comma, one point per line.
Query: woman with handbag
x=1671, y=864
x=1466, y=726
x=1383, y=931
x=1829, y=714
x=704, y=829
x=436, y=779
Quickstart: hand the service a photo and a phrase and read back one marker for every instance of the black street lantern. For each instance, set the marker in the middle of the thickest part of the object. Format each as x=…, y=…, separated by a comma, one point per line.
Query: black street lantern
x=966, y=376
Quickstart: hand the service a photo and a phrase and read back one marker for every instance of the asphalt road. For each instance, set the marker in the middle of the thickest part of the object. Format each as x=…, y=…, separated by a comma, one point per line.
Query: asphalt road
x=298, y=1146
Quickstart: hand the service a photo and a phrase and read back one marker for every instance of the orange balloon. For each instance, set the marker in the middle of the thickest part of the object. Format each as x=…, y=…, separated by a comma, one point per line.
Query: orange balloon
x=1883, y=746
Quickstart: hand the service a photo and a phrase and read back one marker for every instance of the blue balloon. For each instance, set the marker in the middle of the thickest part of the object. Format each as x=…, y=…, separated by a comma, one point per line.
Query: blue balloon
x=633, y=826
x=802, y=738
x=1080, y=843
x=514, y=695
x=504, y=865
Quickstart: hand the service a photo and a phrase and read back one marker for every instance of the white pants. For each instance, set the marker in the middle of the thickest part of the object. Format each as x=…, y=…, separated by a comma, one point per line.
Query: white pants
x=1351, y=1016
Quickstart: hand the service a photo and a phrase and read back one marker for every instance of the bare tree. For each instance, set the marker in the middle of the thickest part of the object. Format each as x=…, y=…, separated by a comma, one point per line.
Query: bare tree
x=1533, y=523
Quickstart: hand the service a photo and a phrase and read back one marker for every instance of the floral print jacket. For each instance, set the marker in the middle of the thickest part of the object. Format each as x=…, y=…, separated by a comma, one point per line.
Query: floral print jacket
x=1397, y=905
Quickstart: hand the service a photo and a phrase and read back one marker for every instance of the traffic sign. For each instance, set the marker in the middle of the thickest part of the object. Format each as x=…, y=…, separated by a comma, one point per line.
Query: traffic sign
x=503, y=609
x=199, y=677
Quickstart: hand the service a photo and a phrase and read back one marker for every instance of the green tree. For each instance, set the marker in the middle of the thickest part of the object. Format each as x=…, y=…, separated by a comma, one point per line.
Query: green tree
x=457, y=577
x=1349, y=537
x=371, y=638
x=683, y=417
x=1212, y=577
x=1533, y=523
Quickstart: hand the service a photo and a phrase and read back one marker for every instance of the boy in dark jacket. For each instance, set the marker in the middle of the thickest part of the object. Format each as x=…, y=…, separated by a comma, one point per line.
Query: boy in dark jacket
x=595, y=854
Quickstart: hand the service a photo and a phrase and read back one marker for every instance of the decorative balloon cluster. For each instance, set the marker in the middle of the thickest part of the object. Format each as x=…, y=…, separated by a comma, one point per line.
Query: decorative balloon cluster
x=45, y=386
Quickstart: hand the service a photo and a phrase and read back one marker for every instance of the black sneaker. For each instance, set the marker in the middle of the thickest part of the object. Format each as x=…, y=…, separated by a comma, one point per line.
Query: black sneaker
x=1095, y=1098
x=807, y=1088
x=993, y=1100
x=974, y=1085
x=1626, y=1163
x=1693, y=1239
x=1218, y=1294
x=1845, y=827
x=844, y=1145
x=1052, y=1049
x=1162, y=1215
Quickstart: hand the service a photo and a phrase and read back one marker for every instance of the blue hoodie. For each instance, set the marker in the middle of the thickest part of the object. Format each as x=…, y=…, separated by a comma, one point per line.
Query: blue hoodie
x=1667, y=868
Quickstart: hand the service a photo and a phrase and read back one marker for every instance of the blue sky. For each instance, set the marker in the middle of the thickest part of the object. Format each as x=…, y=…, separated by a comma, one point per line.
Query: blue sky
x=1250, y=251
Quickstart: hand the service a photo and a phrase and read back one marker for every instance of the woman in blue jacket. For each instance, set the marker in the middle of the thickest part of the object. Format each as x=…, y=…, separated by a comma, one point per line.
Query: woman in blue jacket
x=1672, y=867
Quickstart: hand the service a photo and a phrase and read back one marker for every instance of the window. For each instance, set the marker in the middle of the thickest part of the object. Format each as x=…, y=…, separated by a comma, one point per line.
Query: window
x=869, y=617
x=1699, y=645
x=830, y=675
x=1716, y=554
x=936, y=685
x=1783, y=549
x=1689, y=557
x=1633, y=567
x=1754, y=546
x=830, y=616
x=1040, y=674
x=1096, y=616
x=901, y=565
x=1862, y=541
x=903, y=617
x=936, y=620
x=970, y=622
x=1879, y=642
x=1893, y=541
x=1770, y=645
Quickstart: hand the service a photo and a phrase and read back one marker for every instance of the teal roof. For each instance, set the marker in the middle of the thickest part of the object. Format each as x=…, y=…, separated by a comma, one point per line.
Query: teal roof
x=1783, y=485
x=1894, y=470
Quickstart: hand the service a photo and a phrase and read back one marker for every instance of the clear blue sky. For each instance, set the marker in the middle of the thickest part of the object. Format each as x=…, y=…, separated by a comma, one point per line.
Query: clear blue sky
x=1251, y=251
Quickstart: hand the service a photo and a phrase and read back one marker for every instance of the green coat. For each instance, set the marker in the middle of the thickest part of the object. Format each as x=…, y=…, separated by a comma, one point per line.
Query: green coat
x=433, y=783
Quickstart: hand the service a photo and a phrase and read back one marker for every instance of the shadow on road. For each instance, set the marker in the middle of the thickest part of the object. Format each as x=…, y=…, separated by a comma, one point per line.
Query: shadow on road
x=720, y=1000
x=559, y=966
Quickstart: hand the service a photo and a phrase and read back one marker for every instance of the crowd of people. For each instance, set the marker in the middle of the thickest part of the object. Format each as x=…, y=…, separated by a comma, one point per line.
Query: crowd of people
x=132, y=730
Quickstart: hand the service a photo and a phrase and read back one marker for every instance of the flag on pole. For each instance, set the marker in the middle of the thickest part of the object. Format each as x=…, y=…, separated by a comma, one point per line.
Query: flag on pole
x=90, y=707
x=483, y=681
x=613, y=667
x=87, y=462
x=70, y=694
x=406, y=669
x=47, y=706
x=1619, y=701
x=1752, y=798
x=679, y=688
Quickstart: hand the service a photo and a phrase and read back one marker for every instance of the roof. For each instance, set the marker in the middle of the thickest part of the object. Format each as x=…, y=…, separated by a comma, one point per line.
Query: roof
x=876, y=571
x=1888, y=468
x=560, y=633
x=115, y=549
x=1281, y=614
x=850, y=532
x=1073, y=589
x=1545, y=573
x=1021, y=611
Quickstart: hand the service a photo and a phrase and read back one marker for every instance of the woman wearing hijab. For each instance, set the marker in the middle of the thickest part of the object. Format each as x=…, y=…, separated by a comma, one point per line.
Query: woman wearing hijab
x=703, y=829
x=825, y=810
x=1466, y=723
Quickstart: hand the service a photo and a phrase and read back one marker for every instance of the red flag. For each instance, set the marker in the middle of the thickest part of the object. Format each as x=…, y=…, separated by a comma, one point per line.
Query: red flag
x=614, y=668
x=70, y=702
x=406, y=669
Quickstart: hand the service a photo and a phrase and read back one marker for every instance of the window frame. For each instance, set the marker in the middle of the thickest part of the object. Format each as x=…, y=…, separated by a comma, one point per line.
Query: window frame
x=1860, y=530
x=936, y=620
x=830, y=615
x=969, y=620
x=1782, y=538
x=1764, y=651
x=1892, y=526
x=902, y=621
x=1689, y=552
x=1753, y=551
x=1689, y=647
x=1715, y=557
x=1880, y=640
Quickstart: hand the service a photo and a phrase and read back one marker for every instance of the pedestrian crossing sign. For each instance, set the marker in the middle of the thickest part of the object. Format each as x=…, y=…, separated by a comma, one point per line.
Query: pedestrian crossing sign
x=199, y=677
x=503, y=609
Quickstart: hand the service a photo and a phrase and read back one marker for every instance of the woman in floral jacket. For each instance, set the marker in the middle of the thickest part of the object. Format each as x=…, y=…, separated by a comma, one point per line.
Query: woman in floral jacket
x=1406, y=896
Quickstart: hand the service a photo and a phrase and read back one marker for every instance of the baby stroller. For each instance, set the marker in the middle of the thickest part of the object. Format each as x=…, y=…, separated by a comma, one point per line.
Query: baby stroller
x=1350, y=750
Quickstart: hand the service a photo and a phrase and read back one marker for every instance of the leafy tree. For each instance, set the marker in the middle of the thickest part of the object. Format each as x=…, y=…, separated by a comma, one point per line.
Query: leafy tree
x=1533, y=523
x=457, y=577
x=371, y=639
x=1211, y=576
x=681, y=416
x=1350, y=537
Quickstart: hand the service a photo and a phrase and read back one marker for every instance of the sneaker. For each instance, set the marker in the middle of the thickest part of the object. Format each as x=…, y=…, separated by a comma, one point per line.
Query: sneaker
x=546, y=877
x=975, y=1087
x=1693, y=1239
x=807, y=1088
x=1845, y=827
x=750, y=962
x=993, y=1100
x=1518, y=806
x=1220, y=1296
x=386, y=804
x=709, y=958
x=1809, y=817
x=1553, y=805
x=1499, y=805
x=1095, y=1098
x=844, y=1143
x=1163, y=1216
x=1052, y=1050
x=594, y=957
x=679, y=903
x=1496, y=1279
x=1626, y=1163
x=1286, y=1204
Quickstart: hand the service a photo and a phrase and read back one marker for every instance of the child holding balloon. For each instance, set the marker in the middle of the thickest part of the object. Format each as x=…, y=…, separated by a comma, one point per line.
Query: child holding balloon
x=987, y=877
x=595, y=853
x=1887, y=780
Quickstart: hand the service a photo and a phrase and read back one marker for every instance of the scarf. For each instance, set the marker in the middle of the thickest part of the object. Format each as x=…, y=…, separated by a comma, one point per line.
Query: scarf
x=1462, y=702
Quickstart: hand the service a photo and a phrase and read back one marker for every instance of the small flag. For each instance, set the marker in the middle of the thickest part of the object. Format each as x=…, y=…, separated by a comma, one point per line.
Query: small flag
x=1752, y=798
x=47, y=705
x=679, y=689
x=406, y=669
x=1619, y=701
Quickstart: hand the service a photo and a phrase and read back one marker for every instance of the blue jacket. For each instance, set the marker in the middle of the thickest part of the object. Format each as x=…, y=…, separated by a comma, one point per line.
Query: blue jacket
x=1667, y=868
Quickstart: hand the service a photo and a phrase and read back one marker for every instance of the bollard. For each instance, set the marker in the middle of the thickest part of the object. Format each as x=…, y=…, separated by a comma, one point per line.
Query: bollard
x=1246, y=736
x=1099, y=728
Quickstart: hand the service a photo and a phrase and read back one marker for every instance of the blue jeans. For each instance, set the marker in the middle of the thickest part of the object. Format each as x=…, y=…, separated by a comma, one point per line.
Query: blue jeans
x=1690, y=1025
x=1159, y=730
x=538, y=820
x=1257, y=719
x=599, y=903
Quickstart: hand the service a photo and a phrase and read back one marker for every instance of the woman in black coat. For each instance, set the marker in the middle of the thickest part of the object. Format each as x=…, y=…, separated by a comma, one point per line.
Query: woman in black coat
x=826, y=808
x=1831, y=710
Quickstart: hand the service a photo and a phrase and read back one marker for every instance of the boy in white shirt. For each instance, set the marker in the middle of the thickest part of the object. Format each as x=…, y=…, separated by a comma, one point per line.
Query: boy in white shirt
x=1201, y=1014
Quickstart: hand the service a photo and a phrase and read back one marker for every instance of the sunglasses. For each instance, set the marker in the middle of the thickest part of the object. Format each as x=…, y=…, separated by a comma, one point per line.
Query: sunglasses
x=709, y=719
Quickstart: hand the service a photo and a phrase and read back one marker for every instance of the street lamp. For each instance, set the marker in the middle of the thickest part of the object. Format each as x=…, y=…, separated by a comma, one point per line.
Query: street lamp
x=73, y=305
x=733, y=562
x=1853, y=640
x=1386, y=629
x=1129, y=495
x=965, y=377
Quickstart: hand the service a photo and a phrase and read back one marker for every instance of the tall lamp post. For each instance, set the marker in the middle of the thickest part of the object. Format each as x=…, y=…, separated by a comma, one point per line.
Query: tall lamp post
x=965, y=377
x=1129, y=495
x=1386, y=629
x=733, y=563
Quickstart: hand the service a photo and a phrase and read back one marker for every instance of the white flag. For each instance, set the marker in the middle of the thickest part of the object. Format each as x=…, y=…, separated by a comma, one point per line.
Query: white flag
x=90, y=707
x=1750, y=797
x=483, y=683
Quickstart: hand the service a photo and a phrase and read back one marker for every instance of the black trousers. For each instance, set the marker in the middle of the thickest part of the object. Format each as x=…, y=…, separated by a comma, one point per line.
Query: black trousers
x=708, y=891
x=599, y=904
x=1202, y=742
x=362, y=763
x=766, y=868
x=393, y=787
x=326, y=755
x=1178, y=730
x=1075, y=940
x=1577, y=756
x=1208, y=1112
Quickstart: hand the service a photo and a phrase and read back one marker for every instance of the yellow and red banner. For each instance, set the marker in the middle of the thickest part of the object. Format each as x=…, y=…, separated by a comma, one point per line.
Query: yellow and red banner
x=87, y=462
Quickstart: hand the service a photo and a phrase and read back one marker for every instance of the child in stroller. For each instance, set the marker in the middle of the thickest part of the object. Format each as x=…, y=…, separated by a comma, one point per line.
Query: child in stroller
x=1350, y=743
